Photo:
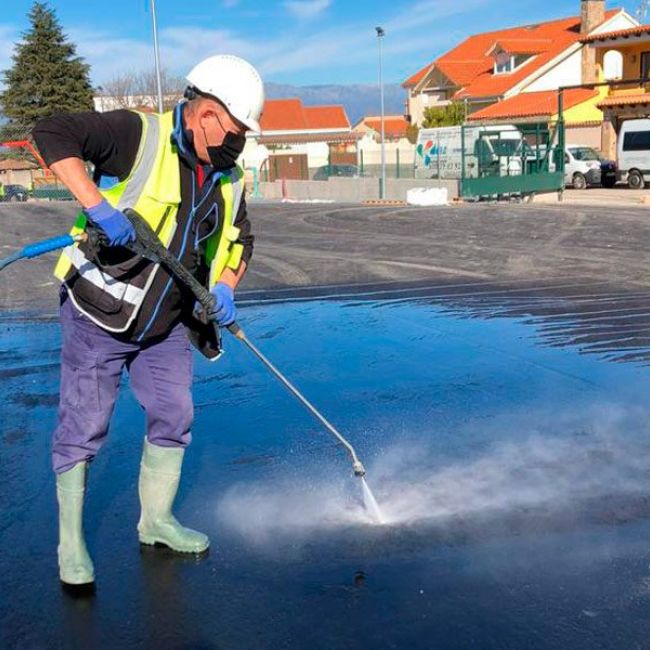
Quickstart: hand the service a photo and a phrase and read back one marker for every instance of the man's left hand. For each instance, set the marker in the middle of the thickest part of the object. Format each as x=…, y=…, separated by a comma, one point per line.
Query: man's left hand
x=224, y=311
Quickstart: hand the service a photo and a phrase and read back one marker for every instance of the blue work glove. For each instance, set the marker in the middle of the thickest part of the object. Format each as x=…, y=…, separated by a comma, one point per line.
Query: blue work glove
x=224, y=312
x=116, y=227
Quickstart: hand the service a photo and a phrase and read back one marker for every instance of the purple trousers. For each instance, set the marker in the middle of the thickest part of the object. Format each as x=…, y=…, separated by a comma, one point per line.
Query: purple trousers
x=92, y=362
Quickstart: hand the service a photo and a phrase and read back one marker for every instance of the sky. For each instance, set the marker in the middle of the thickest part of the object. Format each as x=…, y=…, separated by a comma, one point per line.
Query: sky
x=302, y=42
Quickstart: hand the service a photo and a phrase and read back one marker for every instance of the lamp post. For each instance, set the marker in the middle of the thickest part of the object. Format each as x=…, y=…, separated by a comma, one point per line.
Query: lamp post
x=382, y=189
x=156, y=52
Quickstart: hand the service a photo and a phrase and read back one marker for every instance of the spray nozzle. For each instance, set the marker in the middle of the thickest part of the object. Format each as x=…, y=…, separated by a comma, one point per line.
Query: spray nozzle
x=359, y=469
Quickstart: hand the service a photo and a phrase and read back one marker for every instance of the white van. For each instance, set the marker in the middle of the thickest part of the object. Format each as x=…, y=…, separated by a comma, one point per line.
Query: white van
x=491, y=150
x=634, y=153
x=583, y=167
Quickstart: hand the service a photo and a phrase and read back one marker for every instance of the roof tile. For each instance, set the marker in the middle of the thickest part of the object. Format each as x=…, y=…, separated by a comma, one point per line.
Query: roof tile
x=621, y=33
x=291, y=115
x=469, y=66
x=542, y=103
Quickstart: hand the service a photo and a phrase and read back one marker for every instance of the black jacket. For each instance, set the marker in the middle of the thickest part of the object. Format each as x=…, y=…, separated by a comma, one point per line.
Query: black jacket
x=110, y=142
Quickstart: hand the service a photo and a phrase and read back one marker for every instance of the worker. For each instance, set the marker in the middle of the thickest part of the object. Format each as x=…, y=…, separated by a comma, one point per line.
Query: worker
x=120, y=311
x=2, y=192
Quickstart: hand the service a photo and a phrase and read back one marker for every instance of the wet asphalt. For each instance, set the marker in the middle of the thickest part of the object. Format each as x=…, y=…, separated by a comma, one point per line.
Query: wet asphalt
x=490, y=364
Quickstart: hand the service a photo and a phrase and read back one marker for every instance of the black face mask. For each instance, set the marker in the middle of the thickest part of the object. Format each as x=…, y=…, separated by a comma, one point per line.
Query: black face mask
x=225, y=155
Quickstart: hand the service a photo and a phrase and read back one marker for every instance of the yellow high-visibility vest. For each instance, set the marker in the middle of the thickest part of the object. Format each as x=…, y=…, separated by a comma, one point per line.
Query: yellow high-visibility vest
x=153, y=189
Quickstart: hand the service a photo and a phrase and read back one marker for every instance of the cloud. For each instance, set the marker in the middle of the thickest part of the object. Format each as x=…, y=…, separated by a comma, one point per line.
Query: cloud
x=298, y=48
x=306, y=9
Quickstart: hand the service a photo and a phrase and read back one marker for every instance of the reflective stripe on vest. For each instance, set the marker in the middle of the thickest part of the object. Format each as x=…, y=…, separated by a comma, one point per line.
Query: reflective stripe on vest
x=152, y=189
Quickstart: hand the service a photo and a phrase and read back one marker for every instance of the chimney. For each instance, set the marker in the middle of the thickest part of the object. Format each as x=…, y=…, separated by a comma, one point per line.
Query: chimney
x=592, y=14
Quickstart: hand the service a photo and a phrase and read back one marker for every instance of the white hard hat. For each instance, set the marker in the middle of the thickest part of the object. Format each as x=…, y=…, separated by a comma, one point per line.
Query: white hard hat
x=235, y=83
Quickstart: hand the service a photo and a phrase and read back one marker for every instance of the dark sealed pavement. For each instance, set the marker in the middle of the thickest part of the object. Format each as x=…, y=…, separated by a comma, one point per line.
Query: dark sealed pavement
x=327, y=244
x=489, y=363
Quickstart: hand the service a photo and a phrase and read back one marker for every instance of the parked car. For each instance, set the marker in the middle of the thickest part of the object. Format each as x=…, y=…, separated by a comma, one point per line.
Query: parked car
x=52, y=192
x=582, y=166
x=15, y=193
x=634, y=153
x=327, y=171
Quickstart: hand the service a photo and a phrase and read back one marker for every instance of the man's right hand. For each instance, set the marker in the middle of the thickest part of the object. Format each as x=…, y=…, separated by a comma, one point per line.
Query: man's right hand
x=117, y=228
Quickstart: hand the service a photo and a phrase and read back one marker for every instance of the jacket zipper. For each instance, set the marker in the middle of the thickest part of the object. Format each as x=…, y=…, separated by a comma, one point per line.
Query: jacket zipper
x=188, y=225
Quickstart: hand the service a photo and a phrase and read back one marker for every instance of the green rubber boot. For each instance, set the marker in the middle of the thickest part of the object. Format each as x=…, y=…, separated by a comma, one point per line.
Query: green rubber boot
x=160, y=472
x=75, y=565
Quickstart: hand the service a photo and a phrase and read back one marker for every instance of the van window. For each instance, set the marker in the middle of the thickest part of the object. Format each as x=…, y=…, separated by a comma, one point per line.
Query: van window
x=585, y=153
x=636, y=141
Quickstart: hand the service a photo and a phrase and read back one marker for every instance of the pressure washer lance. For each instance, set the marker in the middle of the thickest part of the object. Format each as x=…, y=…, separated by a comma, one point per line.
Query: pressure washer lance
x=148, y=245
x=238, y=333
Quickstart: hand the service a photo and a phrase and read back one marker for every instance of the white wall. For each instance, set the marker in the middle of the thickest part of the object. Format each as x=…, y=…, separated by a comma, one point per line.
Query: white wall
x=372, y=151
x=255, y=154
x=620, y=21
x=17, y=177
x=566, y=73
x=417, y=104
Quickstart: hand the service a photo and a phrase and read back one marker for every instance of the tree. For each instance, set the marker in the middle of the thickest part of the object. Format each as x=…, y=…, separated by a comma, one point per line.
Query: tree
x=449, y=115
x=412, y=132
x=135, y=90
x=47, y=76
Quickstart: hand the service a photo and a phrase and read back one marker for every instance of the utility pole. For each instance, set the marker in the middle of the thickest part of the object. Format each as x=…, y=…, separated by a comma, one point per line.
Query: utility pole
x=156, y=52
x=382, y=189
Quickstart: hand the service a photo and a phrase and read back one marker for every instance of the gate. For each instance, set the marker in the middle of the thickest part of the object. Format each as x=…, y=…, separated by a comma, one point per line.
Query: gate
x=342, y=158
x=511, y=159
x=292, y=166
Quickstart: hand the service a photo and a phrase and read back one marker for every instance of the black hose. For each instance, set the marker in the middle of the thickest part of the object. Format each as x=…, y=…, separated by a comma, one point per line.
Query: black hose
x=148, y=245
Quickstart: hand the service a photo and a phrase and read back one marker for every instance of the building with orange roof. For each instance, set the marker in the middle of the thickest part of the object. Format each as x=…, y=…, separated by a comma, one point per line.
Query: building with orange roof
x=621, y=55
x=314, y=135
x=395, y=127
x=493, y=71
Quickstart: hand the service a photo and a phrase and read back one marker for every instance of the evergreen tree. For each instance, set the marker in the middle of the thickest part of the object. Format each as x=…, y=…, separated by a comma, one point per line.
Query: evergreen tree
x=47, y=76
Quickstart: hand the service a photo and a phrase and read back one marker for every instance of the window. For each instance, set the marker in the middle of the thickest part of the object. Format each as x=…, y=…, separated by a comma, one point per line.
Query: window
x=505, y=63
x=645, y=65
x=585, y=153
x=613, y=65
x=520, y=59
x=636, y=141
x=501, y=68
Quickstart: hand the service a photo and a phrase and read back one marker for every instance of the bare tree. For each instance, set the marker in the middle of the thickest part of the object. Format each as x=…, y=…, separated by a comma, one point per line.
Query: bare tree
x=119, y=91
x=140, y=90
x=146, y=88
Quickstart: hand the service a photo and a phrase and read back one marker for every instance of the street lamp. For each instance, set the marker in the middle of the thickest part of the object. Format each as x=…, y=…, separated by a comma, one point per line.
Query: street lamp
x=382, y=190
x=156, y=52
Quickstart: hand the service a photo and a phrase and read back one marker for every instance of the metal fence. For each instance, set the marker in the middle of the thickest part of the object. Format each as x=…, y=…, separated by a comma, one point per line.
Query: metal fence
x=400, y=163
x=494, y=160
x=512, y=159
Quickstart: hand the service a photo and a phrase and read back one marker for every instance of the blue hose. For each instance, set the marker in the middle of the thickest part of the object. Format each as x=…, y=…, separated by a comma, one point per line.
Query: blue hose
x=47, y=245
x=39, y=248
x=12, y=258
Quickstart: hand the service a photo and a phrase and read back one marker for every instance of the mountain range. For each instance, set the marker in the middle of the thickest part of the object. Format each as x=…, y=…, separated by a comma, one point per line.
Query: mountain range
x=359, y=100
